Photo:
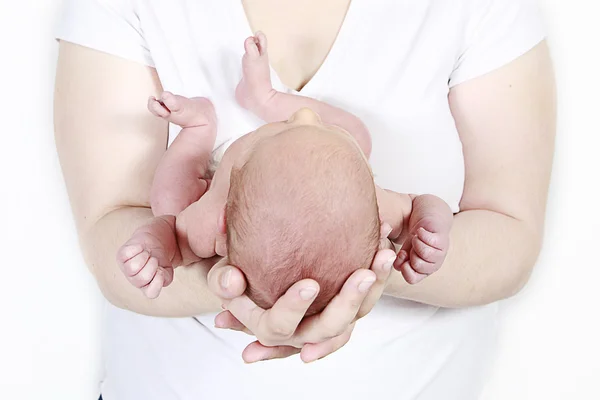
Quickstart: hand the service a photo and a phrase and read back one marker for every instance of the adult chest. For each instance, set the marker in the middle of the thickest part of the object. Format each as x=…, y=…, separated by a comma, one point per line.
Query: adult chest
x=386, y=61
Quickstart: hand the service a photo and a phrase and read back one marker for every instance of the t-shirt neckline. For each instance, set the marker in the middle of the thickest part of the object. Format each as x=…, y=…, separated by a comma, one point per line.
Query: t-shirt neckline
x=326, y=68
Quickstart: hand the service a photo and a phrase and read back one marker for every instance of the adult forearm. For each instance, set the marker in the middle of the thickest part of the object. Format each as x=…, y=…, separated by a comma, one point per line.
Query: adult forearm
x=188, y=295
x=491, y=257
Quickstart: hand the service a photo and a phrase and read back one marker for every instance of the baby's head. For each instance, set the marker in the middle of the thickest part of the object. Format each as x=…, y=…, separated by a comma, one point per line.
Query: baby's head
x=301, y=205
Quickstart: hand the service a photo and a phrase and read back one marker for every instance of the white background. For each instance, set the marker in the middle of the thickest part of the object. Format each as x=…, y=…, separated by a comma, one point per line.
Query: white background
x=49, y=304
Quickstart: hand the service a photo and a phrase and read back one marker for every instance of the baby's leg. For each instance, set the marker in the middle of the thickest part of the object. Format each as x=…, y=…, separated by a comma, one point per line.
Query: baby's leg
x=180, y=177
x=255, y=93
x=148, y=258
x=428, y=240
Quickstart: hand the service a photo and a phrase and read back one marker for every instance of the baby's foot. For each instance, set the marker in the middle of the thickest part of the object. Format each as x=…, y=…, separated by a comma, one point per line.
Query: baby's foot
x=255, y=89
x=183, y=111
x=426, y=247
x=146, y=258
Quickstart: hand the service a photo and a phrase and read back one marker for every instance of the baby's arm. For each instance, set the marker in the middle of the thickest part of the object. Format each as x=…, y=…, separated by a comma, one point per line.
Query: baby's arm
x=256, y=94
x=180, y=177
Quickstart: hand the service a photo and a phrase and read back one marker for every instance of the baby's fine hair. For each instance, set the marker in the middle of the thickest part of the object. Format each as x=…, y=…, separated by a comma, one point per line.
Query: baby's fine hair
x=302, y=206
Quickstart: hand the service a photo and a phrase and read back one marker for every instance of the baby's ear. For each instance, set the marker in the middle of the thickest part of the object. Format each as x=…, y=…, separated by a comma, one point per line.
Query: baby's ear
x=221, y=238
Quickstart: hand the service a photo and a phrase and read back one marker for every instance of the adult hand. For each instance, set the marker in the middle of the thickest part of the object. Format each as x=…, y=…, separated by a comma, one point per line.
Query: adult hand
x=282, y=330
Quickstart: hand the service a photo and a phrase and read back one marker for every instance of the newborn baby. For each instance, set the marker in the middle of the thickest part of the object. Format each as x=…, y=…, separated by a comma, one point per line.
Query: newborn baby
x=289, y=201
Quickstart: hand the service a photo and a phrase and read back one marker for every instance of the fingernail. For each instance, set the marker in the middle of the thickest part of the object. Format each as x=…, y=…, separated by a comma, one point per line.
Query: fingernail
x=308, y=293
x=366, y=284
x=225, y=279
x=389, y=263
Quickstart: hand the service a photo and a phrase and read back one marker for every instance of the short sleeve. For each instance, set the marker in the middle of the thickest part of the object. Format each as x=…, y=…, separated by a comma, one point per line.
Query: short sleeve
x=506, y=30
x=110, y=26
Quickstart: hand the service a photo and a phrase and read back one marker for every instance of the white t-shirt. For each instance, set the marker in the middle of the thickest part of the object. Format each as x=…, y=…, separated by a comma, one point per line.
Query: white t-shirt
x=392, y=65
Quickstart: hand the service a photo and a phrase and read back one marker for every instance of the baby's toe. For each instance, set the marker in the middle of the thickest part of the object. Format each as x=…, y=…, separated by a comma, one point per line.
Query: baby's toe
x=261, y=38
x=157, y=108
x=251, y=47
x=170, y=101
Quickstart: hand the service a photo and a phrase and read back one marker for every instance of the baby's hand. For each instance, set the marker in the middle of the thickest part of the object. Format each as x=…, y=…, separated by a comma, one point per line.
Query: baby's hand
x=425, y=249
x=148, y=258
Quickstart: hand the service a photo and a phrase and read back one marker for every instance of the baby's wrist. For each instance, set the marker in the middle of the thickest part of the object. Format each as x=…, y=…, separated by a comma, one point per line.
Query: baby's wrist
x=392, y=210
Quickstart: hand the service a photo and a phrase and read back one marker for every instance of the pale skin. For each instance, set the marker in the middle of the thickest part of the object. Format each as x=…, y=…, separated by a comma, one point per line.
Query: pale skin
x=506, y=121
x=187, y=229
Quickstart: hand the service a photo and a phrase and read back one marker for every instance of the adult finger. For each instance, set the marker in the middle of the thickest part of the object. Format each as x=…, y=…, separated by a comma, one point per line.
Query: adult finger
x=341, y=310
x=245, y=311
x=255, y=351
x=226, y=320
x=226, y=281
x=313, y=352
x=382, y=267
x=276, y=325
x=282, y=320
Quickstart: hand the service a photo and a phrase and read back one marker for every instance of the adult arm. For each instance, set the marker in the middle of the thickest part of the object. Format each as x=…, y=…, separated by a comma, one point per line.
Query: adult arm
x=506, y=122
x=109, y=146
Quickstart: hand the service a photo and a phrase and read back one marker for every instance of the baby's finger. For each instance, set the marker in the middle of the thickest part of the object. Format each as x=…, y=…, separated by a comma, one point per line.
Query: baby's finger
x=402, y=257
x=257, y=352
x=410, y=275
x=147, y=273
x=226, y=320
x=434, y=240
x=152, y=290
x=313, y=352
x=128, y=251
x=134, y=266
x=433, y=257
x=422, y=266
x=169, y=276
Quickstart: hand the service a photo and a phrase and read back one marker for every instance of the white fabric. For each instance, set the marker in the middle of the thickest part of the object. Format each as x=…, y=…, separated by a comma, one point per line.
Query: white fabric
x=392, y=65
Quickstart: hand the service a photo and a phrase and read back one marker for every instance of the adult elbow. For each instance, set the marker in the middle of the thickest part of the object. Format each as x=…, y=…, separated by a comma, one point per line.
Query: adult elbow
x=525, y=263
x=102, y=273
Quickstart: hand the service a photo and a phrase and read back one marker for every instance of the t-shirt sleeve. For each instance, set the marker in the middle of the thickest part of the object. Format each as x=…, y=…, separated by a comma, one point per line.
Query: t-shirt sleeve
x=110, y=26
x=504, y=31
